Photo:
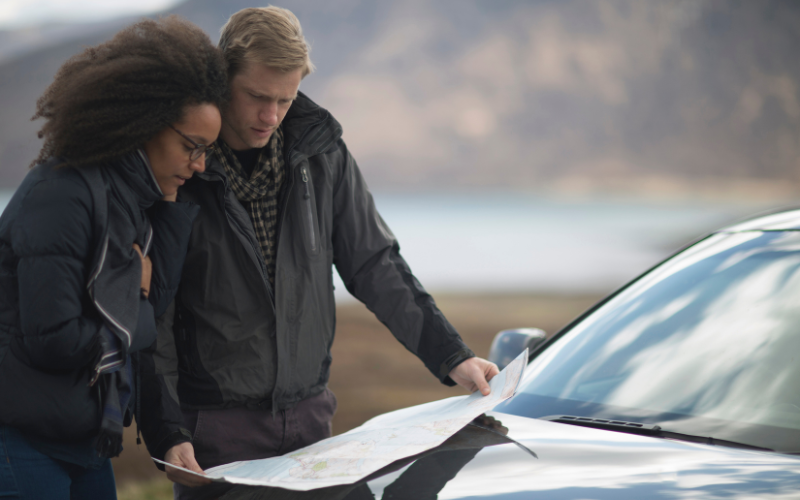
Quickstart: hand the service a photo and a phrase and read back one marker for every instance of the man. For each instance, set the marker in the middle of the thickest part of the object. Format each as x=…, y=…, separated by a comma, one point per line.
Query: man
x=282, y=201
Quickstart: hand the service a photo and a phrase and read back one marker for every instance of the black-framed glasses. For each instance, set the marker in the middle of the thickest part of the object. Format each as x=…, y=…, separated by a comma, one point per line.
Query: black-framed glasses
x=198, y=150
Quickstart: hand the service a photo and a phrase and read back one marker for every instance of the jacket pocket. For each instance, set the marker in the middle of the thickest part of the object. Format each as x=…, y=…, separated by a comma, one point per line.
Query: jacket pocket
x=53, y=405
x=308, y=213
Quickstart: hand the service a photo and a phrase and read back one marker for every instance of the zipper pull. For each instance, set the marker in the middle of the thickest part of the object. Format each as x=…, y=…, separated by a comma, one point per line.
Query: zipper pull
x=96, y=375
x=306, y=194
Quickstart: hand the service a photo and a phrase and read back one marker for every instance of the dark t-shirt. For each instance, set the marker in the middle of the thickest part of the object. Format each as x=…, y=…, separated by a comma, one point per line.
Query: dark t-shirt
x=247, y=159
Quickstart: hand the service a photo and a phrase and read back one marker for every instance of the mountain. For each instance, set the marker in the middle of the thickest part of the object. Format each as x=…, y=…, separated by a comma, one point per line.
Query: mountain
x=569, y=94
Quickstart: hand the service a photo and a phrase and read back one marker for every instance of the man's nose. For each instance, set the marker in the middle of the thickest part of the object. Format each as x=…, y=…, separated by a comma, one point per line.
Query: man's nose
x=269, y=114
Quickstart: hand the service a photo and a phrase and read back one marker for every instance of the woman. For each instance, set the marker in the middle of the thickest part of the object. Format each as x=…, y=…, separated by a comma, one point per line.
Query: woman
x=91, y=250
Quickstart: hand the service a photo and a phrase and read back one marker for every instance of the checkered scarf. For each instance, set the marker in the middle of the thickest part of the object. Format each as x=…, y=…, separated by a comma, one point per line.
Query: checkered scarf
x=259, y=193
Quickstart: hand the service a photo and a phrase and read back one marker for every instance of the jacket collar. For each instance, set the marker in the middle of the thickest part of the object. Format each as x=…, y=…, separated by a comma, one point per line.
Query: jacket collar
x=133, y=173
x=308, y=130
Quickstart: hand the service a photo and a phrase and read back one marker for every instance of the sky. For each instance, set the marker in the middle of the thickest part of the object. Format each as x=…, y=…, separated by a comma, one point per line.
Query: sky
x=16, y=14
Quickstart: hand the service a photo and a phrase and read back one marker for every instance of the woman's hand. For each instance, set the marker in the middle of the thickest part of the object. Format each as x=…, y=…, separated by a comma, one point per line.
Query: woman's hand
x=147, y=271
x=182, y=455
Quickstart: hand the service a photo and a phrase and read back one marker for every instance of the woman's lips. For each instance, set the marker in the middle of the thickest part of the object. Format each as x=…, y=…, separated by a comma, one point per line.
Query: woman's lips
x=262, y=132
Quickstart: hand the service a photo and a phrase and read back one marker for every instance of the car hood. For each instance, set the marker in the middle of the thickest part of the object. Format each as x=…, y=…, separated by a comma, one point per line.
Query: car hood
x=548, y=460
x=573, y=462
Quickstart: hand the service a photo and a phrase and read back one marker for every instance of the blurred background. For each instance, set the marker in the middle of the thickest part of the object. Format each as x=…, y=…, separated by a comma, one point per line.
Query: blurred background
x=530, y=155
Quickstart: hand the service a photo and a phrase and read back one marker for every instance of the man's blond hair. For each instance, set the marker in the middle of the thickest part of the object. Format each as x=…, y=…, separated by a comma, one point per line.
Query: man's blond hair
x=271, y=36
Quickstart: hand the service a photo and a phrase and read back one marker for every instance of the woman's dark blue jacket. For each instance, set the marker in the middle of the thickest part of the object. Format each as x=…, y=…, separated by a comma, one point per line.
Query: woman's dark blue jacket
x=49, y=325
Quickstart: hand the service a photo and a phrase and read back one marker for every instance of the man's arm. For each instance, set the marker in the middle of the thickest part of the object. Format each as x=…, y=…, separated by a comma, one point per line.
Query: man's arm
x=367, y=256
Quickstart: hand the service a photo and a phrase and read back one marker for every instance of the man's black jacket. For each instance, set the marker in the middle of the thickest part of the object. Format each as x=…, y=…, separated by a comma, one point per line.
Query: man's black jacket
x=241, y=341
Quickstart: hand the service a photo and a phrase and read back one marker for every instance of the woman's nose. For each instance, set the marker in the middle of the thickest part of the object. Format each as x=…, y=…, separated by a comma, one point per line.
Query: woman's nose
x=199, y=165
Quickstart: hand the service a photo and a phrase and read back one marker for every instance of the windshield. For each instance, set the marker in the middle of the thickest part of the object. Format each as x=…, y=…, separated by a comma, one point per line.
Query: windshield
x=705, y=344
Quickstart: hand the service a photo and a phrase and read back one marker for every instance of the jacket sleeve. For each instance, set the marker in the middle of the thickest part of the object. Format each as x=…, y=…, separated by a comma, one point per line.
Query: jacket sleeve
x=159, y=415
x=172, y=225
x=165, y=359
x=368, y=259
x=52, y=236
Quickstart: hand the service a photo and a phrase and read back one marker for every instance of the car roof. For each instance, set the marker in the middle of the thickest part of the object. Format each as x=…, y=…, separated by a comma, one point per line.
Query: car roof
x=785, y=220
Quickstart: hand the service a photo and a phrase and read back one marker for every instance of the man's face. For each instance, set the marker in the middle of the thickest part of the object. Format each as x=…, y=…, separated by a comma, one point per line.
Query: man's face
x=260, y=98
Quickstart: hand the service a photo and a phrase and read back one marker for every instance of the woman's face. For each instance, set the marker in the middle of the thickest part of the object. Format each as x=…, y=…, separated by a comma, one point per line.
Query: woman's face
x=169, y=152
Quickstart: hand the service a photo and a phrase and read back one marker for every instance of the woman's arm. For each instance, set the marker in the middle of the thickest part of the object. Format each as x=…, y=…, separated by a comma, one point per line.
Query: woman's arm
x=52, y=236
x=158, y=415
x=160, y=418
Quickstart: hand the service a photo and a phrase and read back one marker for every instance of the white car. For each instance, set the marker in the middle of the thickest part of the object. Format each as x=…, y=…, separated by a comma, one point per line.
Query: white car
x=684, y=384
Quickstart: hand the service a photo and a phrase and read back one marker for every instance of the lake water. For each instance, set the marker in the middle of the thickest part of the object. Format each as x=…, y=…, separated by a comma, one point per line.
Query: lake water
x=518, y=243
x=503, y=242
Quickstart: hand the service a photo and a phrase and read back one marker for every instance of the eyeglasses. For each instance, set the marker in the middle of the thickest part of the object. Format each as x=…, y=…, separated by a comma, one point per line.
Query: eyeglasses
x=198, y=150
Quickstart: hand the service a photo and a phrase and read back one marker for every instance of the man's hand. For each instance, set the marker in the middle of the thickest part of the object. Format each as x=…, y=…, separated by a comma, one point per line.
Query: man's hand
x=474, y=374
x=182, y=455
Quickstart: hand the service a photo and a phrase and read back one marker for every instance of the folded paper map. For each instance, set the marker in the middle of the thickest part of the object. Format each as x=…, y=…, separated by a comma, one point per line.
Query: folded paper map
x=349, y=457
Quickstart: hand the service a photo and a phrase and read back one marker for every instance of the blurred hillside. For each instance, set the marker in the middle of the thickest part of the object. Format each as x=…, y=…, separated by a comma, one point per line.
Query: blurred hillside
x=571, y=95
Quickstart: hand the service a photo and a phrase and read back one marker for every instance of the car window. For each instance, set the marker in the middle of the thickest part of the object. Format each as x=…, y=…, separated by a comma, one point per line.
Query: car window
x=707, y=344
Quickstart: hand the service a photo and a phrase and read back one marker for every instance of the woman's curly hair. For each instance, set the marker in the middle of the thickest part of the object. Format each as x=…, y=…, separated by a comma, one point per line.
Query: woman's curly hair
x=110, y=99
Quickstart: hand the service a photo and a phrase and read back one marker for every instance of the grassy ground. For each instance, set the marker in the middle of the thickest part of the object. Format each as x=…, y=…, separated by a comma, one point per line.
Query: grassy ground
x=373, y=374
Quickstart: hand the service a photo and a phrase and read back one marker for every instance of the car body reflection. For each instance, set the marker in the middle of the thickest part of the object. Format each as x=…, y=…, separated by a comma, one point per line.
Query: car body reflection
x=573, y=462
x=580, y=463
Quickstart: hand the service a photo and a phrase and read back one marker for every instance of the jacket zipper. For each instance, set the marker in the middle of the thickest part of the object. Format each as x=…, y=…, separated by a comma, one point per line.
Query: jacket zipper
x=98, y=368
x=259, y=263
x=287, y=189
x=148, y=242
x=97, y=273
x=94, y=299
x=257, y=250
x=309, y=216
